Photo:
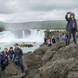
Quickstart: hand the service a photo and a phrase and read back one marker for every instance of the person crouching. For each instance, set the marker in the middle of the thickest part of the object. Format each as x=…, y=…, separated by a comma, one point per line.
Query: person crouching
x=11, y=54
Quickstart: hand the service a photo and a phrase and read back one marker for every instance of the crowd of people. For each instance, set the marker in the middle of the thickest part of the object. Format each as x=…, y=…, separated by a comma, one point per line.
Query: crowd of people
x=59, y=36
x=12, y=55
x=71, y=30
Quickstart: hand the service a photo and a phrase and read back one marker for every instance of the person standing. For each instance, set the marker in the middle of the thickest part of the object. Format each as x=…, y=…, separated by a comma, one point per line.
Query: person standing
x=18, y=57
x=71, y=27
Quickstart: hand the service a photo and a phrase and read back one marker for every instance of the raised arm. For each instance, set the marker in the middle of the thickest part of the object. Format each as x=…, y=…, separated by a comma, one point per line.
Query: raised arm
x=66, y=17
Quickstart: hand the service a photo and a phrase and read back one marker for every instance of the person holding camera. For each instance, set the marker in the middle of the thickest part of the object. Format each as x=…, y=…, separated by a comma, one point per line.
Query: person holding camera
x=71, y=28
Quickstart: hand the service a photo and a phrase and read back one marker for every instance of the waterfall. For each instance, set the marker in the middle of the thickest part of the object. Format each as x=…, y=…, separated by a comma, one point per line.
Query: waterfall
x=23, y=34
x=32, y=35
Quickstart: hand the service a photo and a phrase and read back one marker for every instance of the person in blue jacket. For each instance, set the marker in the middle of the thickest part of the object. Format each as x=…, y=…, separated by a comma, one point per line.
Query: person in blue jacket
x=11, y=54
x=71, y=27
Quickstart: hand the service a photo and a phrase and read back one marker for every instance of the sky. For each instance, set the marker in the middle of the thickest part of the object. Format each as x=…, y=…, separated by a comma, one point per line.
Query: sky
x=36, y=10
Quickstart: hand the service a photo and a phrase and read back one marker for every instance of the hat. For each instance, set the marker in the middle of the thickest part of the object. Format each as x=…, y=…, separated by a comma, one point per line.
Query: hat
x=11, y=47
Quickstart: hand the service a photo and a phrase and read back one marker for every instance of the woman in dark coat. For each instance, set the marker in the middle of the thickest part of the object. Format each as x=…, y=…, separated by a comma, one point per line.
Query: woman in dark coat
x=71, y=27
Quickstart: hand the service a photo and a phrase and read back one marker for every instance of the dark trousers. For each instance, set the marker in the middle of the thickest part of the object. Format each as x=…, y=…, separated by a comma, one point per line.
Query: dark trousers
x=19, y=62
x=73, y=33
x=66, y=42
x=4, y=64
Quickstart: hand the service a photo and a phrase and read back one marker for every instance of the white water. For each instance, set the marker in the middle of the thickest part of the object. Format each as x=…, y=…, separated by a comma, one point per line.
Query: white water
x=33, y=36
x=13, y=36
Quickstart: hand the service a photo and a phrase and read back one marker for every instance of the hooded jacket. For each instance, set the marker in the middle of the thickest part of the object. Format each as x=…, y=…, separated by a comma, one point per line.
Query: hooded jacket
x=69, y=26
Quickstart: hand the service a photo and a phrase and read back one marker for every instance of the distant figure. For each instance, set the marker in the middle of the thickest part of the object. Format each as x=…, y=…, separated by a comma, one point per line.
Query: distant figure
x=66, y=38
x=71, y=27
x=63, y=36
x=60, y=35
x=53, y=40
x=49, y=42
x=57, y=38
x=0, y=56
x=0, y=50
x=77, y=36
x=4, y=59
x=18, y=57
x=11, y=54
x=45, y=40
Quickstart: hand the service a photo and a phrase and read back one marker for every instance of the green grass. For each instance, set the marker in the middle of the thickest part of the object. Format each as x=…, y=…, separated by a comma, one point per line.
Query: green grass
x=57, y=24
x=2, y=29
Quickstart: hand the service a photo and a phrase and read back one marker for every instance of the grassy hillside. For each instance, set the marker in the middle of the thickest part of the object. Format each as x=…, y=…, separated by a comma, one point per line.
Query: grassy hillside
x=53, y=24
x=2, y=26
x=41, y=24
x=57, y=24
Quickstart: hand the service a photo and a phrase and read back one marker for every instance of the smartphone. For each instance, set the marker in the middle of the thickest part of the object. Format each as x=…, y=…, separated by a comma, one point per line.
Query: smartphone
x=68, y=15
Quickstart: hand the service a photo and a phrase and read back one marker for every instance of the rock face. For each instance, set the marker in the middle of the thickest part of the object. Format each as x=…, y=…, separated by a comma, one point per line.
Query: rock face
x=56, y=61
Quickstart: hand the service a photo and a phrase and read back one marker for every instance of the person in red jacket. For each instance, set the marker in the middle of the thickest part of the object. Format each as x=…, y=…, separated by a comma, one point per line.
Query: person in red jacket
x=4, y=60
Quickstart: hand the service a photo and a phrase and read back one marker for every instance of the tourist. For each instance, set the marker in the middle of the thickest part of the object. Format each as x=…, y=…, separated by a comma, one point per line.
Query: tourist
x=18, y=57
x=0, y=56
x=53, y=40
x=49, y=42
x=77, y=36
x=57, y=38
x=63, y=36
x=0, y=50
x=71, y=27
x=4, y=59
x=11, y=54
x=66, y=38
x=45, y=40
x=60, y=35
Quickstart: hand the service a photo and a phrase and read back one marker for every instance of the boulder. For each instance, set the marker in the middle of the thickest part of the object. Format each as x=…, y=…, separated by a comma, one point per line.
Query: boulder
x=32, y=61
x=41, y=51
x=12, y=71
x=48, y=56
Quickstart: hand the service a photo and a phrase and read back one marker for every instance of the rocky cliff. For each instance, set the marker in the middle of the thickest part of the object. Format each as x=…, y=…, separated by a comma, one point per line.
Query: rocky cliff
x=56, y=61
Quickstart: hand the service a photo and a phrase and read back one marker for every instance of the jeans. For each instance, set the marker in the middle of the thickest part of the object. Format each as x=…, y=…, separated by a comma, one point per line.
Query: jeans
x=4, y=64
x=73, y=33
x=19, y=62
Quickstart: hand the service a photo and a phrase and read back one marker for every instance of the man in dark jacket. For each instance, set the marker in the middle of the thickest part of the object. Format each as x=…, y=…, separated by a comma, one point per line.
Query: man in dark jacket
x=18, y=57
x=71, y=27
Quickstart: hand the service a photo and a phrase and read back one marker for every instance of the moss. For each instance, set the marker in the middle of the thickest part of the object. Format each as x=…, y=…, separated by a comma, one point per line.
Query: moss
x=2, y=29
x=25, y=45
